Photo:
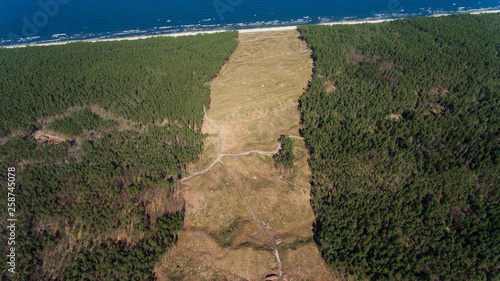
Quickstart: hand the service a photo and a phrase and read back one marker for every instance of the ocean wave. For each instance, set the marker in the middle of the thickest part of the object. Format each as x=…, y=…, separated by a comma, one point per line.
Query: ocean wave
x=205, y=26
x=59, y=35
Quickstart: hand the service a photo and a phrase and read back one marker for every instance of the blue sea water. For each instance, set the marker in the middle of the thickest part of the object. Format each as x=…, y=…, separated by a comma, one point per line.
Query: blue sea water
x=38, y=21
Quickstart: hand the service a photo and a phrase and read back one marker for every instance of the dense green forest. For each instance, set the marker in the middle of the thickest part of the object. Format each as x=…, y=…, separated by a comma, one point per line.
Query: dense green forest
x=102, y=207
x=285, y=156
x=80, y=121
x=402, y=123
x=141, y=81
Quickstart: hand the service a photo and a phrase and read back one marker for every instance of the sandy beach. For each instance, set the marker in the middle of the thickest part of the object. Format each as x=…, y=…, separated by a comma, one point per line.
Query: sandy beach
x=251, y=30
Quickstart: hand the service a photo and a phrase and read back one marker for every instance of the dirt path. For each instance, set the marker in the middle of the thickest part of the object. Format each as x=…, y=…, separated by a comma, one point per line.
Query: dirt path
x=272, y=239
x=243, y=216
x=220, y=154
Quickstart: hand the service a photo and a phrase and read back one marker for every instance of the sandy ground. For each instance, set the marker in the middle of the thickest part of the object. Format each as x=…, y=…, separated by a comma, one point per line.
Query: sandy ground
x=254, y=101
x=252, y=30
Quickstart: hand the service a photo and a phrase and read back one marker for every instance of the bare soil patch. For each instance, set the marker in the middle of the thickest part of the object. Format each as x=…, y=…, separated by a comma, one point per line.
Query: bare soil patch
x=254, y=101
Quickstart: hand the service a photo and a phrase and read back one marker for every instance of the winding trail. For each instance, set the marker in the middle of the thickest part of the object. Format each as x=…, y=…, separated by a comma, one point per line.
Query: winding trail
x=268, y=202
x=272, y=239
x=269, y=235
x=220, y=154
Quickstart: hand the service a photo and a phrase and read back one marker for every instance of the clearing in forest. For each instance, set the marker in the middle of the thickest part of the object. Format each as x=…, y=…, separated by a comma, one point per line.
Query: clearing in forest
x=243, y=209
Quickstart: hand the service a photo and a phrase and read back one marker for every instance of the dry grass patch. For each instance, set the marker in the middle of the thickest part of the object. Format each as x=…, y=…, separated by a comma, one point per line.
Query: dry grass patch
x=279, y=199
x=254, y=100
x=305, y=263
x=394, y=116
x=122, y=123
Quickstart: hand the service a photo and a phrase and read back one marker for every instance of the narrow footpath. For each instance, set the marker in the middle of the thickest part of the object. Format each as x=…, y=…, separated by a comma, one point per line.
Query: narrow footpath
x=272, y=239
x=244, y=218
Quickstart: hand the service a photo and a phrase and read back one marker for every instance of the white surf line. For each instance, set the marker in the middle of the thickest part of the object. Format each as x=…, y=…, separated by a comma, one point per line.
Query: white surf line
x=250, y=30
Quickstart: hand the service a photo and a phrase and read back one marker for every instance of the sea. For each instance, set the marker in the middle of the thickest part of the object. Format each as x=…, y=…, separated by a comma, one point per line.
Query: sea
x=46, y=21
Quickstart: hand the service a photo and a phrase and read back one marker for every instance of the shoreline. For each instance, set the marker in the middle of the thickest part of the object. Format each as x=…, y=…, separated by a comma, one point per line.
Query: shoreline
x=249, y=30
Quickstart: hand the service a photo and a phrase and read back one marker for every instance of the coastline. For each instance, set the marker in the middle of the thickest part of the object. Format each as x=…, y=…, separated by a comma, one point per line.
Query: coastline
x=250, y=30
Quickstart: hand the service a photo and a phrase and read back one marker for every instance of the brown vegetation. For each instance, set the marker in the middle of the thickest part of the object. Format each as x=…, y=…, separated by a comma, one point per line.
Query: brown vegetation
x=254, y=101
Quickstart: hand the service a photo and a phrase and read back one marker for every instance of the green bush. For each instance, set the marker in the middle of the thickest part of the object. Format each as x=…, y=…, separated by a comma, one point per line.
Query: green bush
x=285, y=156
x=80, y=121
